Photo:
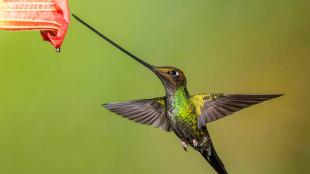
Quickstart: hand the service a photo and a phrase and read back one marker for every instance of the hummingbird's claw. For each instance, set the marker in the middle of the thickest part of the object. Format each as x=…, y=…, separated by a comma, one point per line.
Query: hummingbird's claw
x=184, y=145
x=195, y=143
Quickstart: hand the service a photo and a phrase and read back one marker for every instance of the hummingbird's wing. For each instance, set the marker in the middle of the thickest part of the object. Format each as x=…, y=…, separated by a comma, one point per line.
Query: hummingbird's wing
x=215, y=106
x=146, y=111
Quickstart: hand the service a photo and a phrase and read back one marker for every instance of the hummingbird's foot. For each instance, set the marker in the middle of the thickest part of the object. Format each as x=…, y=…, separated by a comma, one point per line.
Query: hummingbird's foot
x=195, y=143
x=184, y=145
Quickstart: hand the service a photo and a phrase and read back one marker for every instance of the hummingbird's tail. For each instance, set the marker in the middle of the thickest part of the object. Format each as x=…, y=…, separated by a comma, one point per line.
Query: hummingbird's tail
x=211, y=156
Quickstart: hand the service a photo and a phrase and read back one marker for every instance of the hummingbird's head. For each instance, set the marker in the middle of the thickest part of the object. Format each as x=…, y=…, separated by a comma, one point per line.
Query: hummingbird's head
x=170, y=76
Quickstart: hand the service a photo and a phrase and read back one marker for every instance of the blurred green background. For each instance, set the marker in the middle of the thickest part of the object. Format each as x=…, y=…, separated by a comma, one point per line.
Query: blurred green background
x=51, y=119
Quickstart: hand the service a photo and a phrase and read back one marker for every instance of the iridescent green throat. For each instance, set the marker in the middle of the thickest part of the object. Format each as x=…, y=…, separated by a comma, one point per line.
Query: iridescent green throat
x=180, y=103
x=180, y=98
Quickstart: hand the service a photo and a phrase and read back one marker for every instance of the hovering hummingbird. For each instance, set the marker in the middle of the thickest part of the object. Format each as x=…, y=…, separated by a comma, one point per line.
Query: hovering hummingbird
x=179, y=112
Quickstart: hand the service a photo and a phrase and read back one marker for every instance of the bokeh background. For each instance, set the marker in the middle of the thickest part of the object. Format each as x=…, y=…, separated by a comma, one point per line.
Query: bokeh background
x=51, y=119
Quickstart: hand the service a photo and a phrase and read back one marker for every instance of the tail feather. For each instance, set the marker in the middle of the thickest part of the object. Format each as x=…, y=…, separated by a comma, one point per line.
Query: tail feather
x=211, y=156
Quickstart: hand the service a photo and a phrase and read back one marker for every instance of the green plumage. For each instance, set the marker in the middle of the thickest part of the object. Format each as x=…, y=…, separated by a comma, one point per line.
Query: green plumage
x=183, y=114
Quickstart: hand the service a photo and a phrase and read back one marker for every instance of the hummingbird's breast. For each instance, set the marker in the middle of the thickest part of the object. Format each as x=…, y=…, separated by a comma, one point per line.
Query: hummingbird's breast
x=183, y=119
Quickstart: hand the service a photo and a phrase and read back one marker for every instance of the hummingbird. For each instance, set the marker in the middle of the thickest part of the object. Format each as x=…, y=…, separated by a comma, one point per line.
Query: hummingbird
x=180, y=112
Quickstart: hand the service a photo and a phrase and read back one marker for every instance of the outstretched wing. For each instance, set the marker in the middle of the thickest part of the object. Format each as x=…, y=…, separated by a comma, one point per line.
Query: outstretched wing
x=146, y=111
x=215, y=106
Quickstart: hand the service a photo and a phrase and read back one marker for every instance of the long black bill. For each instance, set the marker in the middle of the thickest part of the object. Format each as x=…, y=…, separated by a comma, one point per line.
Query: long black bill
x=114, y=44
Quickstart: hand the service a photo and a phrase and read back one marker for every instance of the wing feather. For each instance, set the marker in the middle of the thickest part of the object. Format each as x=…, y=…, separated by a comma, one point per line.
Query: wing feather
x=146, y=111
x=215, y=106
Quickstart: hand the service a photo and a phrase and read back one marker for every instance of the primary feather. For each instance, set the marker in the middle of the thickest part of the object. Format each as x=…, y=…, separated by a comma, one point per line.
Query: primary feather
x=145, y=111
x=215, y=106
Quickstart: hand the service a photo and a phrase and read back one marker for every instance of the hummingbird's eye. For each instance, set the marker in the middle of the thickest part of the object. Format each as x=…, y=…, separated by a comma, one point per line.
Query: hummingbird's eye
x=174, y=73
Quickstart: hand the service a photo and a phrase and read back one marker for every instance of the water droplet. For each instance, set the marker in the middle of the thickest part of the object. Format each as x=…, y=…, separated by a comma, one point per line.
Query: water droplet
x=58, y=49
